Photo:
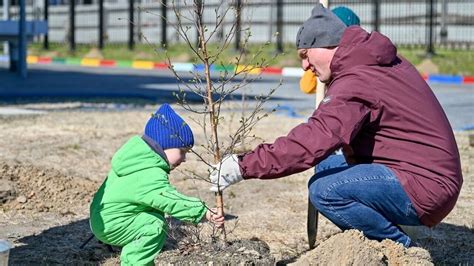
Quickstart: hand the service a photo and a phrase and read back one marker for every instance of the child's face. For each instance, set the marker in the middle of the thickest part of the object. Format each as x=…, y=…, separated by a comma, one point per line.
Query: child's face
x=176, y=156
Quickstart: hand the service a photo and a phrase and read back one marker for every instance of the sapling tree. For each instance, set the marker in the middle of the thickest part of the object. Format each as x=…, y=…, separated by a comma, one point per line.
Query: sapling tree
x=215, y=31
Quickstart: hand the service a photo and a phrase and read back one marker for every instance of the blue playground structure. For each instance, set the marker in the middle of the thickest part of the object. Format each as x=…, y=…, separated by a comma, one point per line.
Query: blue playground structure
x=17, y=33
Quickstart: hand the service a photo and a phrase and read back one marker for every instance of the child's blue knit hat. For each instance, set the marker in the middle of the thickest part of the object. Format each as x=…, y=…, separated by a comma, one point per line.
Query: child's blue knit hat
x=168, y=129
x=346, y=15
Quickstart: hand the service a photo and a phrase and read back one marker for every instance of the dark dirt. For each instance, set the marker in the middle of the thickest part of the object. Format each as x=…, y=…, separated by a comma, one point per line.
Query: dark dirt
x=239, y=252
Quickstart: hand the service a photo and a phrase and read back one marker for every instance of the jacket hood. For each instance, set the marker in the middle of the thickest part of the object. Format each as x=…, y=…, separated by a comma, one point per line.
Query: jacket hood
x=358, y=47
x=136, y=155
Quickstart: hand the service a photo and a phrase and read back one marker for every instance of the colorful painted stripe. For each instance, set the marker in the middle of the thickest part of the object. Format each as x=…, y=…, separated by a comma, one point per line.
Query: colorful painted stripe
x=143, y=64
x=107, y=63
x=183, y=67
x=468, y=80
x=272, y=70
x=59, y=60
x=44, y=60
x=90, y=62
x=189, y=67
x=123, y=63
x=224, y=68
x=160, y=65
x=292, y=72
x=32, y=59
x=445, y=79
x=73, y=61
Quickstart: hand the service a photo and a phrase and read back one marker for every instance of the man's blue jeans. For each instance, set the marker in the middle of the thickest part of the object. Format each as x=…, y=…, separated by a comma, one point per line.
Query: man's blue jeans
x=367, y=197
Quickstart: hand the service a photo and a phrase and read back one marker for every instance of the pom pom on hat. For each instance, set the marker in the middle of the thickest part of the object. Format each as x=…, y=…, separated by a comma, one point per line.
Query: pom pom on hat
x=346, y=15
x=168, y=129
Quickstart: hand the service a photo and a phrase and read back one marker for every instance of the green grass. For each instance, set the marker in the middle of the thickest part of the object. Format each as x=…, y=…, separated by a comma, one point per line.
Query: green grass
x=452, y=62
x=455, y=62
x=177, y=52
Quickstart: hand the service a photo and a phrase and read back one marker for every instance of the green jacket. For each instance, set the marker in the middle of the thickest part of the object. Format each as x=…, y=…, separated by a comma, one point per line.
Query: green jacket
x=137, y=183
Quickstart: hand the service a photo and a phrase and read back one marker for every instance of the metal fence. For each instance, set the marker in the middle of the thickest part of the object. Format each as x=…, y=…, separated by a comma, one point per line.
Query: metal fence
x=420, y=23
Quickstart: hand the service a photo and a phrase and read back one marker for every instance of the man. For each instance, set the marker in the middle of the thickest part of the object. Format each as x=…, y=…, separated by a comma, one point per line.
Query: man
x=404, y=167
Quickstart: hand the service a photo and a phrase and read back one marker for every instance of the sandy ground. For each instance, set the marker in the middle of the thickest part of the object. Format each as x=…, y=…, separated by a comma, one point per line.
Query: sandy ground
x=54, y=162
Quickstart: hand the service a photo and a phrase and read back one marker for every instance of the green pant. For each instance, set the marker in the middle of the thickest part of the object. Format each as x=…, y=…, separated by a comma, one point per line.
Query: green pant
x=142, y=239
x=150, y=237
x=143, y=250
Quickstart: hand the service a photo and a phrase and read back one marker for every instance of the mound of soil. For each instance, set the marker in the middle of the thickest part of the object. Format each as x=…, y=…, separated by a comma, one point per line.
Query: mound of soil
x=353, y=248
x=27, y=187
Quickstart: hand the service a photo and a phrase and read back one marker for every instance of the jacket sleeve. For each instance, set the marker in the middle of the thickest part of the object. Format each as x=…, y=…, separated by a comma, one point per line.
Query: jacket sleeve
x=337, y=121
x=161, y=195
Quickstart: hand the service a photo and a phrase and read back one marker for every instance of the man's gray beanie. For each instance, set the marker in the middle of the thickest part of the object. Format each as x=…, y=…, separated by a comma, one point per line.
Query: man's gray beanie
x=323, y=29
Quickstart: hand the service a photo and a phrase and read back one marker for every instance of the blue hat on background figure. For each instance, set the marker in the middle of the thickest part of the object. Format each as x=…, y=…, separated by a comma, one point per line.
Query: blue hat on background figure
x=168, y=129
x=346, y=15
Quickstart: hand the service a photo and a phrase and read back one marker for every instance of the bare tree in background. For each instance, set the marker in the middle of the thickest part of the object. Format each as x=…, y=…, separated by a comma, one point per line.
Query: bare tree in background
x=215, y=89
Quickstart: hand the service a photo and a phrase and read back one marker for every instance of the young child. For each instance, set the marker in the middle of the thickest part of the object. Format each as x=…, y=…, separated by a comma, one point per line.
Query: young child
x=128, y=209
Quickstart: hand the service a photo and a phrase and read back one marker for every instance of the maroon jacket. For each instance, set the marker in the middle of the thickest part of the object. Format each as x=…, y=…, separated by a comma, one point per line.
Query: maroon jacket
x=377, y=103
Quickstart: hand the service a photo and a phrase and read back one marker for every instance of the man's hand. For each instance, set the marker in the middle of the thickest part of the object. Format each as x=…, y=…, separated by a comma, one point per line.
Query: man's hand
x=213, y=217
x=225, y=173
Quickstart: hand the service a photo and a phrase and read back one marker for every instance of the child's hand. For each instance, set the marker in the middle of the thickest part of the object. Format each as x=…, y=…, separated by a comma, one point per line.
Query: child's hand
x=213, y=217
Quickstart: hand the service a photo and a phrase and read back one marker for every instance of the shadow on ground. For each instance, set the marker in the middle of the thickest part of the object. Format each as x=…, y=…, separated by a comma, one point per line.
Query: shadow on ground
x=73, y=244
x=60, y=245
x=450, y=244
x=99, y=85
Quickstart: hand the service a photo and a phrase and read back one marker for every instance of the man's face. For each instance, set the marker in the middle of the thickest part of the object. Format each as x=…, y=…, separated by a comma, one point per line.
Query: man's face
x=318, y=60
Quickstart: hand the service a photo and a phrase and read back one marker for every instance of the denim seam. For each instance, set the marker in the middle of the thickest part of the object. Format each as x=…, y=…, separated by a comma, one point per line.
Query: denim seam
x=331, y=187
x=407, y=212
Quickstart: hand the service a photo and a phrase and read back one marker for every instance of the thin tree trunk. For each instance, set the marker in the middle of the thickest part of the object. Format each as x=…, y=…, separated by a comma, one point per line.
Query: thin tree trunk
x=212, y=111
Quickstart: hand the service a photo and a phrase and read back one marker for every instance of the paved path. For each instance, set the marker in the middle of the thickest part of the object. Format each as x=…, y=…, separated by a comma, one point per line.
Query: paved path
x=69, y=83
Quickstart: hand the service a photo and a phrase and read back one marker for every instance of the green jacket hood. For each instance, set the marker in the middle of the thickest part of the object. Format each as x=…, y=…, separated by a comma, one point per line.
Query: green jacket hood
x=136, y=155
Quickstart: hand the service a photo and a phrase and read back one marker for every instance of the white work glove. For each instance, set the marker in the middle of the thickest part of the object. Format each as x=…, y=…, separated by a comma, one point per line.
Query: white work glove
x=225, y=173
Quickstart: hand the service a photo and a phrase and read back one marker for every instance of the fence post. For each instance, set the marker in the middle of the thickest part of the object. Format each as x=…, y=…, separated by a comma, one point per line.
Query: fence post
x=22, y=41
x=271, y=22
x=139, y=23
x=444, y=16
x=238, y=25
x=164, y=23
x=46, y=15
x=101, y=24
x=220, y=30
x=430, y=24
x=279, y=26
x=376, y=15
x=72, y=25
x=131, y=41
x=6, y=16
